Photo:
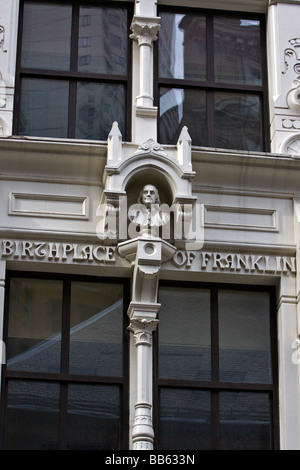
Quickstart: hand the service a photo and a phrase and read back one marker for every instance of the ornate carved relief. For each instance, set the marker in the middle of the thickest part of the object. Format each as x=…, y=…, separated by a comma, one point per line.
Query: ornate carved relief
x=291, y=52
x=3, y=127
x=292, y=57
x=144, y=33
x=2, y=38
x=291, y=145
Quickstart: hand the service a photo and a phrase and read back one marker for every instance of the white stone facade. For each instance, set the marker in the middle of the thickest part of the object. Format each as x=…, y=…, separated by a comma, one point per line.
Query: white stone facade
x=51, y=189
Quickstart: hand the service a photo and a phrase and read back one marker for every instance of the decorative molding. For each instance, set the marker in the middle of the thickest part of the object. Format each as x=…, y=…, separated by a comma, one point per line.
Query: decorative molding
x=49, y=205
x=230, y=218
x=288, y=123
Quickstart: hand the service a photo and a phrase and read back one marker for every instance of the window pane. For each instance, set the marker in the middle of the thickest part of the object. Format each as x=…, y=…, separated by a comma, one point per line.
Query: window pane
x=46, y=36
x=98, y=106
x=237, y=51
x=180, y=108
x=96, y=329
x=244, y=337
x=238, y=121
x=34, y=328
x=44, y=108
x=184, y=419
x=184, y=352
x=93, y=417
x=245, y=421
x=32, y=415
x=102, y=44
x=182, y=46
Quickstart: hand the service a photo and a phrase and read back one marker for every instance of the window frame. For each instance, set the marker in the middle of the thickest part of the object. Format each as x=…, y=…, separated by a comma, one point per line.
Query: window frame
x=209, y=85
x=214, y=386
x=64, y=377
x=73, y=76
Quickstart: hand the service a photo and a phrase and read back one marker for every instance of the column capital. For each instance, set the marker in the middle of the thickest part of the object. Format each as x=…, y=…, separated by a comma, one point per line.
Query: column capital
x=142, y=330
x=144, y=30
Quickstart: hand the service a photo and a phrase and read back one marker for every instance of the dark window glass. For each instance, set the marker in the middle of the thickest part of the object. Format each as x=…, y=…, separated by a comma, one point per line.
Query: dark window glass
x=185, y=419
x=237, y=51
x=211, y=79
x=245, y=350
x=73, y=61
x=34, y=328
x=44, y=108
x=107, y=39
x=184, y=352
x=96, y=329
x=216, y=379
x=64, y=384
x=182, y=46
x=238, y=121
x=244, y=421
x=46, y=36
x=98, y=106
x=178, y=108
x=32, y=415
x=93, y=417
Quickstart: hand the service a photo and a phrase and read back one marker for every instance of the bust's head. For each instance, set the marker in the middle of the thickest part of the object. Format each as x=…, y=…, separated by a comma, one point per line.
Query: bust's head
x=149, y=195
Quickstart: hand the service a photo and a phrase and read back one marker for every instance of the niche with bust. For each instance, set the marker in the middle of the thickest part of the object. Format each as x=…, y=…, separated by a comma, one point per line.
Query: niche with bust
x=149, y=200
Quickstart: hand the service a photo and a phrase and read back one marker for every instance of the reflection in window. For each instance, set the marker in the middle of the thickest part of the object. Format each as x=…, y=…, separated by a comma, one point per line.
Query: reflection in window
x=105, y=39
x=216, y=369
x=98, y=105
x=244, y=421
x=96, y=329
x=34, y=328
x=238, y=121
x=237, y=57
x=211, y=79
x=44, y=108
x=93, y=417
x=182, y=46
x=178, y=108
x=65, y=365
x=245, y=350
x=32, y=415
x=185, y=419
x=51, y=100
x=46, y=39
x=184, y=352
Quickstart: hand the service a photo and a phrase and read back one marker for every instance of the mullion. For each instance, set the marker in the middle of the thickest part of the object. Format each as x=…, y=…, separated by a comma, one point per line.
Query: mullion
x=208, y=84
x=72, y=109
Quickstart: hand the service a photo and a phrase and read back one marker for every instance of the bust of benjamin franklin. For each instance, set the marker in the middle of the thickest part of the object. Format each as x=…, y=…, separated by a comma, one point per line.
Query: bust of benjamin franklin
x=146, y=212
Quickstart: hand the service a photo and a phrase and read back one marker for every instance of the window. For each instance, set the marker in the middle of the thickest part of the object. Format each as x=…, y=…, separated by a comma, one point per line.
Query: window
x=71, y=52
x=217, y=384
x=66, y=350
x=212, y=79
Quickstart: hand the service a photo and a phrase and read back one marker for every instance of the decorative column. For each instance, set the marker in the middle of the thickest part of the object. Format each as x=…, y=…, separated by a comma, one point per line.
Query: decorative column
x=146, y=254
x=144, y=32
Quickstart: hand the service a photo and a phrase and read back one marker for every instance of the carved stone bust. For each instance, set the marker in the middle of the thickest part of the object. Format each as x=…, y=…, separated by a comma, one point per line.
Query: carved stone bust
x=147, y=212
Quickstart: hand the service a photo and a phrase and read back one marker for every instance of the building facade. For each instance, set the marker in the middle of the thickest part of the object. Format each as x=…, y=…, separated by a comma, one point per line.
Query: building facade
x=149, y=231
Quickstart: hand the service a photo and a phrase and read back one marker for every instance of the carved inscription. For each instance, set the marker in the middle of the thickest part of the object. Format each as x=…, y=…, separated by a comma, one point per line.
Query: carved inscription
x=233, y=262
x=29, y=250
x=25, y=250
